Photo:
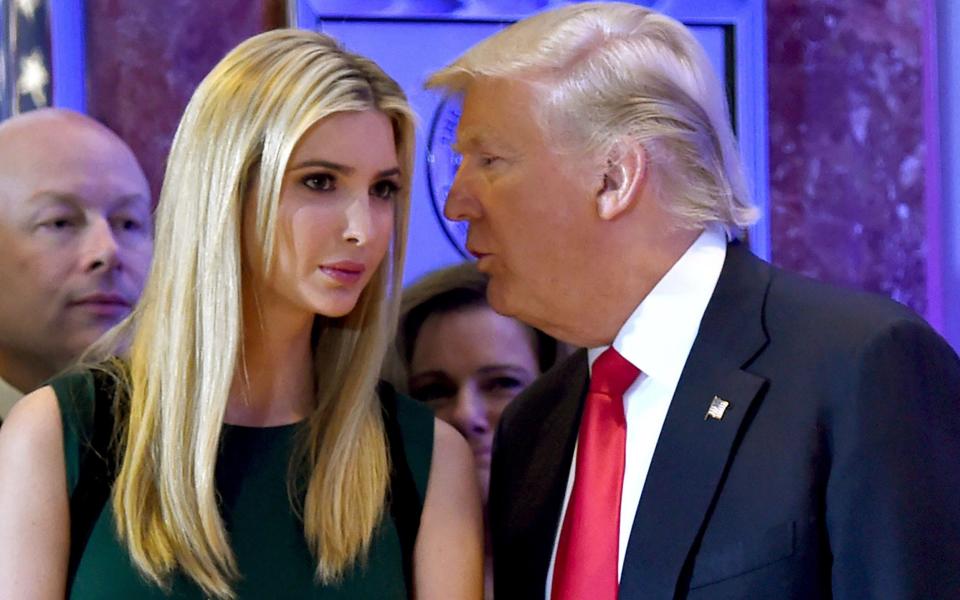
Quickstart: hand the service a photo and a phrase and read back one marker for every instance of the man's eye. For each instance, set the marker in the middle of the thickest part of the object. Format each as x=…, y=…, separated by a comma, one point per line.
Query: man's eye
x=487, y=160
x=321, y=182
x=59, y=224
x=128, y=224
x=385, y=190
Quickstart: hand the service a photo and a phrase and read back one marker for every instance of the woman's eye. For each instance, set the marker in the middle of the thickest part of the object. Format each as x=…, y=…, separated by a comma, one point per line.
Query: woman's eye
x=321, y=182
x=504, y=384
x=433, y=393
x=488, y=160
x=385, y=190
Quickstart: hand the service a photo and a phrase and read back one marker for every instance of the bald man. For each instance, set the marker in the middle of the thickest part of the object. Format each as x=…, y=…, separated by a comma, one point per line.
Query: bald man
x=76, y=238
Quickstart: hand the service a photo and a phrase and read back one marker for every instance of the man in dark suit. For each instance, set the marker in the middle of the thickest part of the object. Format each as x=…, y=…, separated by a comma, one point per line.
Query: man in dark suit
x=772, y=437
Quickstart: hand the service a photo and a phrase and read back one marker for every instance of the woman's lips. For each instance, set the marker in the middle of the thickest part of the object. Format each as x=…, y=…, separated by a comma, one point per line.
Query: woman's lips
x=345, y=272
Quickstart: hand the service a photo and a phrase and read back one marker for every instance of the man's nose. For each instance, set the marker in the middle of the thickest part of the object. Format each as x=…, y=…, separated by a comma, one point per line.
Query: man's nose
x=462, y=202
x=101, y=250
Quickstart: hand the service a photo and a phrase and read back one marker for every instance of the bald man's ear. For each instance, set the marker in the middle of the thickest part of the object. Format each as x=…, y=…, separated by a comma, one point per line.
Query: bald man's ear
x=623, y=178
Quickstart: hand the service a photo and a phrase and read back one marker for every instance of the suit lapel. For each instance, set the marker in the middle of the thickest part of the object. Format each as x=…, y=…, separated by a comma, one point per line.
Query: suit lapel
x=692, y=452
x=536, y=506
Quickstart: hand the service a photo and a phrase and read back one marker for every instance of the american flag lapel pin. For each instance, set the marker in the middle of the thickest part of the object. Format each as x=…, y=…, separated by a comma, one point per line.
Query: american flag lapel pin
x=718, y=406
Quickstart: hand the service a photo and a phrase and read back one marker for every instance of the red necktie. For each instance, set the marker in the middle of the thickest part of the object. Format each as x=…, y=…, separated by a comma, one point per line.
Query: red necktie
x=586, y=564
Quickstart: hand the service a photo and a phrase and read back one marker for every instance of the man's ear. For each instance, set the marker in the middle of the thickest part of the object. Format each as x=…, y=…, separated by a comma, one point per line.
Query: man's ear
x=623, y=179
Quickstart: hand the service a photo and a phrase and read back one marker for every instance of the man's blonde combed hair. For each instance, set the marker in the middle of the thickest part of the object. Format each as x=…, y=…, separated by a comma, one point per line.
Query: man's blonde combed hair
x=238, y=132
x=613, y=70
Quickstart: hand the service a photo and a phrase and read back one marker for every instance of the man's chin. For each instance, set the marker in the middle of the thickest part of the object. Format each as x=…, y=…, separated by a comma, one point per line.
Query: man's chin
x=511, y=302
x=83, y=338
x=498, y=302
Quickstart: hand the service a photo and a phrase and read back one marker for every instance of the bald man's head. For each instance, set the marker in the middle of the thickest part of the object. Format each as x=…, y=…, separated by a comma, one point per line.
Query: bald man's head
x=36, y=142
x=76, y=236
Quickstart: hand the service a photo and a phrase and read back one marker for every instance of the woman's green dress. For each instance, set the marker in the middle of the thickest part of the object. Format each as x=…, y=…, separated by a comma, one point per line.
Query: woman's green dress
x=266, y=536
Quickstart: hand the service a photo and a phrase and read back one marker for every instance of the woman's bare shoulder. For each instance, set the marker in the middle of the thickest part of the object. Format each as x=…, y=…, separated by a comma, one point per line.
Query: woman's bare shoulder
x=33, y=427
x=34, y=538
x=449, y=551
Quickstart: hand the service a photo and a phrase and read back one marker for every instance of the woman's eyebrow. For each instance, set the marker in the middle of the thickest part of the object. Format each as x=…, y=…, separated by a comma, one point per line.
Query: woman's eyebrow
x=339, y=168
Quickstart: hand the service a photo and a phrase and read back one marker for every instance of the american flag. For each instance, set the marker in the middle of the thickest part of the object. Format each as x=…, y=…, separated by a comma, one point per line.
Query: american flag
x=25, y=82
x=718, y=406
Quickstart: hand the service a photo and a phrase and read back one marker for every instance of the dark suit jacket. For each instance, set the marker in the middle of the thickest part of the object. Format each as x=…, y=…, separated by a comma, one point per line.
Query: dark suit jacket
x=835, y=471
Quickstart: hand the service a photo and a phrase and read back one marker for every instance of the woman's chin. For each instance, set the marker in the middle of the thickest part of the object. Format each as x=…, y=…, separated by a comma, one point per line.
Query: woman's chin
x=336, y=308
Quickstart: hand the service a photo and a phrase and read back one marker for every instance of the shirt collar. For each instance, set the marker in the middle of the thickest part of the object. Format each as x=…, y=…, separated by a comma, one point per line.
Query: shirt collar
x=658, y=336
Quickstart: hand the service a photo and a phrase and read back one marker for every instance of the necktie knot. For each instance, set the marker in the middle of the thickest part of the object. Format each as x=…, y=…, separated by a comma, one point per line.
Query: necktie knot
x=612, y=374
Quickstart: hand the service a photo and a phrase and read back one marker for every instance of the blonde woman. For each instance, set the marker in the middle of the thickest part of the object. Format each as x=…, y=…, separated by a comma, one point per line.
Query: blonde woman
x=248, y=447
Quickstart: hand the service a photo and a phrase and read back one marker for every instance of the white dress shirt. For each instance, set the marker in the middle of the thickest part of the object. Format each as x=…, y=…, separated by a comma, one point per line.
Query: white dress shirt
x=657, y=339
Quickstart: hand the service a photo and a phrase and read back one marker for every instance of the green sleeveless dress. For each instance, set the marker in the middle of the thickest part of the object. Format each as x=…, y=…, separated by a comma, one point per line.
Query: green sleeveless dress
x=266, y=537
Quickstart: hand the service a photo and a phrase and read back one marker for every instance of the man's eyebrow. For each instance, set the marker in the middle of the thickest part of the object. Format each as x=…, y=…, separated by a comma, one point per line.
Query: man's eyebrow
x=132, y=199
x=46, y=198
x=61, y=197
x=137, y=203
x=51, y=195
x=468, y=141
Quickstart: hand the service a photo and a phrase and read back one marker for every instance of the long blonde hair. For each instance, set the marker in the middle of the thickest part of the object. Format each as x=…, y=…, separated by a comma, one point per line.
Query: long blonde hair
x=185, y=334
x=607, y=70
